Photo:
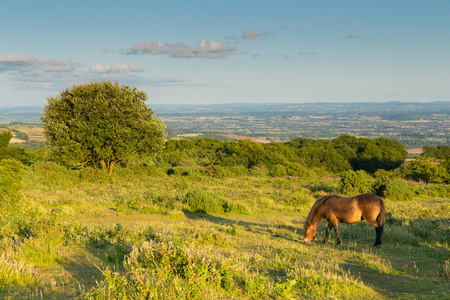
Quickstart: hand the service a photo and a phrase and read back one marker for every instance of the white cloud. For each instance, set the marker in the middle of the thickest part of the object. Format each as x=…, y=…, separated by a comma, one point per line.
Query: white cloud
x=55, y=74
x=117, y=68
x=20, y=62
x=250, y=35
x=204, y=49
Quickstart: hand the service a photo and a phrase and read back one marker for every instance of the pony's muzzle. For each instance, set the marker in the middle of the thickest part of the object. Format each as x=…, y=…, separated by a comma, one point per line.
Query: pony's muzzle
x=307, y=242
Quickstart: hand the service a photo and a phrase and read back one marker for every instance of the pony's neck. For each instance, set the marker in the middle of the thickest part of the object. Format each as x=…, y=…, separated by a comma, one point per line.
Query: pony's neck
x=318, y=217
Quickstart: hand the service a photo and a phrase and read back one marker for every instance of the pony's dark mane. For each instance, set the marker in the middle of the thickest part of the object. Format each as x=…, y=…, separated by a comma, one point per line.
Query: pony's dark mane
x=316, y=206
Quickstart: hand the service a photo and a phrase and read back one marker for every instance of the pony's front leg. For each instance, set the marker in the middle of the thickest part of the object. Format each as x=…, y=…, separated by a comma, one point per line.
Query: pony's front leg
x=327, y=233
x=334, y=223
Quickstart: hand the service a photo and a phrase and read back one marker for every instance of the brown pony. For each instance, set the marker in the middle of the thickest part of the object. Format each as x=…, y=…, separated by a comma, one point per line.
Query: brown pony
x=337, y=209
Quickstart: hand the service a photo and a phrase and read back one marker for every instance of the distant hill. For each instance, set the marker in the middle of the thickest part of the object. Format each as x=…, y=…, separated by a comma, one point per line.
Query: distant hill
x=28, y=114
x=413, y=123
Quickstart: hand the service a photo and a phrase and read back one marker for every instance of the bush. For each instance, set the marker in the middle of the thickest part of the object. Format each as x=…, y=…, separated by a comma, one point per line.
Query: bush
x=5, y=138
x=216, y=171
x=11, y=179
x=278, y=170
x=358, y=182
x=202, y=201
x=398, y=190
x=166, y=269
x=16, y=154
x=259, y=171
x=433, y=190
x=382, y=177
x=425, y=169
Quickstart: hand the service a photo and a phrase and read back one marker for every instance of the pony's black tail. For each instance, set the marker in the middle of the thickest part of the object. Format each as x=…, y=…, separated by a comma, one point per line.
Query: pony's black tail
x=381, y=218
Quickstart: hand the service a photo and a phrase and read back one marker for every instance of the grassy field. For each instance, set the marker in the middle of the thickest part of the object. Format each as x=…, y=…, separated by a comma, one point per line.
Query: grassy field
x=142, y=233
x=35, y=132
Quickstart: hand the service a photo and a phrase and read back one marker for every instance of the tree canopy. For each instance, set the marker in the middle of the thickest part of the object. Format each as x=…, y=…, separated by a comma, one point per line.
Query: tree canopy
x=99, y=124
x=5, y=138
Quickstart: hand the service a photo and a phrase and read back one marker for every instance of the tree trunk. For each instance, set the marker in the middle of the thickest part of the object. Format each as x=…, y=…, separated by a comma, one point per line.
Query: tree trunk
x=107, y=166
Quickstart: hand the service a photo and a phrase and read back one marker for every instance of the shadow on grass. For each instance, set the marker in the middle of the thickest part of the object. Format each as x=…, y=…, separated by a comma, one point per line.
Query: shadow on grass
x=414, y=256
x=399, y=286
x=85, y=268
x=290, y=233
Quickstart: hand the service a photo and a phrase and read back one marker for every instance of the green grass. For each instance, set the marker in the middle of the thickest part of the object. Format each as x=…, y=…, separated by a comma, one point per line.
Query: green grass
x=80, y=234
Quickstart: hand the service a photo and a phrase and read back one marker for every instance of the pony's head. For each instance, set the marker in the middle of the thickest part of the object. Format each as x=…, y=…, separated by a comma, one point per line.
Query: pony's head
x=310, y=233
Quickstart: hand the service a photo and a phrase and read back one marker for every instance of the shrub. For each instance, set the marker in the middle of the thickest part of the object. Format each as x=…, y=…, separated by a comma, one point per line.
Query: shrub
x=5, y=138
x=355, y=182
x=166, y=269
x=425, y=169
x=433, y=190
x=382, y=177
x=199, y=200
x=278, y=170
x=10, y=179
x=259, y=171
x=398, y=190
x=15, y=153
x=216, y=171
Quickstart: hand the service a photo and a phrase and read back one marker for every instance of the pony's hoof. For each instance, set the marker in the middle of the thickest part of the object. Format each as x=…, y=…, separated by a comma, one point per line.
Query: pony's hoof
x=377, y=246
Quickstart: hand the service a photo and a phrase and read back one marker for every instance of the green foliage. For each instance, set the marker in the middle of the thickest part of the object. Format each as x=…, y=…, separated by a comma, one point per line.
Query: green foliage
x=36, y=233
x=354, y=183
x=278, y=170
x=199, y=200
x=5, y=138
x=10, y=180
x=370, y=155
x=317, y=279
x=425, y=169
x=298, y=157
x=398, y=190
x=116, y=240
x=439, y=152
x=16, y=153
x=432, y=190
x=14, y=272
x=317, y=155
x=21, y=135
x=71, y=228
x=100, y=123
x=161, y=268
x=382, y=177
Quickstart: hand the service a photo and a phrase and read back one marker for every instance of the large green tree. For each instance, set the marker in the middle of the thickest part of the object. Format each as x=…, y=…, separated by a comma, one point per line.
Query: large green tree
x=100, y=124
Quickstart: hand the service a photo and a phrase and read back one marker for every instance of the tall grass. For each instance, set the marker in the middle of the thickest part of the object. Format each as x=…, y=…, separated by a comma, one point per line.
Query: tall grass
x=144, y=233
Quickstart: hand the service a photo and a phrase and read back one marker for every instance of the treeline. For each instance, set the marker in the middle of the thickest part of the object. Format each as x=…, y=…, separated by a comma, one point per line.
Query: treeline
x=291, y=158
x=299, y=157
x=439, y=152
x=306, y=157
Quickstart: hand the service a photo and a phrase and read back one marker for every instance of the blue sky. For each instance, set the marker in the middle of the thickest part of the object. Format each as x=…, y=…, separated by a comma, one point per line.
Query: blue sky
x=198, y=52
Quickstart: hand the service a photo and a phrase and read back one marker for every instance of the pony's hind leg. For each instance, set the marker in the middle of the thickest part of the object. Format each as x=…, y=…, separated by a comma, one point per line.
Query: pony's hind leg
x=327, y=233
x=379, y=232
